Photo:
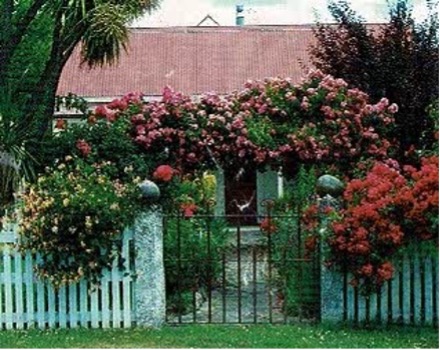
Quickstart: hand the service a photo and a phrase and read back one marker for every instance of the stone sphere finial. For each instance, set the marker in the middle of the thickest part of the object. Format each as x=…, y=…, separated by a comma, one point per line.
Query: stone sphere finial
x=329, y=185
x=150, y=191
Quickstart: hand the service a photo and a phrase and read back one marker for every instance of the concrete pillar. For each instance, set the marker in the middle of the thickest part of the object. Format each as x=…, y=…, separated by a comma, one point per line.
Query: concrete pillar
x=149, y=288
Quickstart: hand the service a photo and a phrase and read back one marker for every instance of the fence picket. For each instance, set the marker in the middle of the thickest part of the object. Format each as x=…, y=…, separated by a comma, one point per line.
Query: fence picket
x=105, y=302
x=29, y=280
x=73, y=305
x=62, y=306
x=395, y=297
x=41, y=308
x=126, y=290
x=361, y=307
x=51, y=310
x=373, y=308
x=417, y=290
x=435, y=299
x=116, y=308
x=19, y=310
x=94, y=301
x=428, y=290
x=8, y=286
x=406, y=291
x=83, y=302
x=384, y=303
x=350, y=302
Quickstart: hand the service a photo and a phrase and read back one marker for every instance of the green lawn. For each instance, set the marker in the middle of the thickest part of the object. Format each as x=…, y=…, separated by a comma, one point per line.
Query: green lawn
x=229, y=336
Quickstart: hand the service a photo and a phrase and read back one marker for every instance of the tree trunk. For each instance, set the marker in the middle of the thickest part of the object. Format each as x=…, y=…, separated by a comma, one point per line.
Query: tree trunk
x=5, y=36
x=44, y=95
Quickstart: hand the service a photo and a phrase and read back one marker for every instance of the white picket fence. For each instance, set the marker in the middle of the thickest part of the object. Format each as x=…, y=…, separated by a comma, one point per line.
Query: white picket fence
x=28, y=302
x=411, y=297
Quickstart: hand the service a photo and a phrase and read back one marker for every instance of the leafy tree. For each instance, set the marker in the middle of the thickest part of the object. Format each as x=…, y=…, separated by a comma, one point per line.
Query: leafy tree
x=398, y=60
x=37, y=38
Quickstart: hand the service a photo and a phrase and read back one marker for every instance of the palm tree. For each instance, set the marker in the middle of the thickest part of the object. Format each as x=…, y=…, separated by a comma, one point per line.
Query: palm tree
x=101, y=28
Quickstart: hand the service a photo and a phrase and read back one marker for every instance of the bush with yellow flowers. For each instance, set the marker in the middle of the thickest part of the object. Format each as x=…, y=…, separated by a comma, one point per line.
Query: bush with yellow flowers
x=73, y=216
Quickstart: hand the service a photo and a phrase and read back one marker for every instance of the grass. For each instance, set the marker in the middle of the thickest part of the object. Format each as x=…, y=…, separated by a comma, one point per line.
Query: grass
x=226, y=336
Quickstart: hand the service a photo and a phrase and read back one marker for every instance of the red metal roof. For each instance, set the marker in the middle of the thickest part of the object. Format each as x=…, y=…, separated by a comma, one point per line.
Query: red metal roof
x=194, y=60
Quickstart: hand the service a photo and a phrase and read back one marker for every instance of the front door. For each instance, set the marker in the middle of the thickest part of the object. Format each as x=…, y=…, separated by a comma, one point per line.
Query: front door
x=241, y=196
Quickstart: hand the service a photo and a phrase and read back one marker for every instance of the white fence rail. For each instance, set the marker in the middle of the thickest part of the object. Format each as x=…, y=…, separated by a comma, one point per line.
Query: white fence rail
x=28, y=302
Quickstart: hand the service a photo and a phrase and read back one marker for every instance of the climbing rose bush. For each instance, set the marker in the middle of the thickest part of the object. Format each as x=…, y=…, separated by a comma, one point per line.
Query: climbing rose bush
x=271, y=122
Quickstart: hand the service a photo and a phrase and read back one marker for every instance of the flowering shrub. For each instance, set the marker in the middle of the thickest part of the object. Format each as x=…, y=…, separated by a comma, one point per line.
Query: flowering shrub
x=385, y=210
x=73, y=217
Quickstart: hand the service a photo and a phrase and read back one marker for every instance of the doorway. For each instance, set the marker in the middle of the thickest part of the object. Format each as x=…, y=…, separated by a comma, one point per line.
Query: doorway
x=241, y=196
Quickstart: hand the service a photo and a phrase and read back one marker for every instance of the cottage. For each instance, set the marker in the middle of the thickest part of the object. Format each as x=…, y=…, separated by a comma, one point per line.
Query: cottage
x=196, y=60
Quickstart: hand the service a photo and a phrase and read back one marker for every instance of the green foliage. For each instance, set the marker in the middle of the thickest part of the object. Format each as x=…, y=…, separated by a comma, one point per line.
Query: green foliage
x=433, y=112
x=71, y=101
x=16, y=163
x=260, y=132
x=398, y=60
x=108, y=142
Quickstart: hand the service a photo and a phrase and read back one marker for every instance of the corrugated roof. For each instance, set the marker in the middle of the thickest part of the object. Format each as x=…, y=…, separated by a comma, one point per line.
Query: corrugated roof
x=194, y=60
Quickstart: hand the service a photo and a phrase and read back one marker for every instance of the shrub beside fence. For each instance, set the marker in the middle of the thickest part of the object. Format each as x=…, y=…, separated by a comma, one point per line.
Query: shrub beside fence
x=26, y=301
x=411, y=297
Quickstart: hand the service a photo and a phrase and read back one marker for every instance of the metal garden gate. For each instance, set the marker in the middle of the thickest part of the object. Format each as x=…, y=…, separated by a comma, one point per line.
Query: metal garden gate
x=218, y=272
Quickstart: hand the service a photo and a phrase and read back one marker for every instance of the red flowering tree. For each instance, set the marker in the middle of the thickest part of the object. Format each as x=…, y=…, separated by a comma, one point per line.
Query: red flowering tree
x=384, y=210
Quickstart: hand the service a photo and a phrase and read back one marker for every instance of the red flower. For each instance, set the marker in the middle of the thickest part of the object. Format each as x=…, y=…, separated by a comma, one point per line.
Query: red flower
x=83, y=147
x=164, y=173
x=268, y=226
x=188, y=209
x=385, y=272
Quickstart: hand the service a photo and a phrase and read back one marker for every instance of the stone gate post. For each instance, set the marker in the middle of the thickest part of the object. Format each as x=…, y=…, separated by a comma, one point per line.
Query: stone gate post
x=149, y=291
x=332, y=304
